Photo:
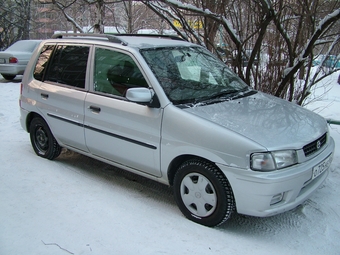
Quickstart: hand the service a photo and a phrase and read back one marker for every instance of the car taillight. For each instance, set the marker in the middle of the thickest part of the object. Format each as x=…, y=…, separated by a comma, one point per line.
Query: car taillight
x=13, y=60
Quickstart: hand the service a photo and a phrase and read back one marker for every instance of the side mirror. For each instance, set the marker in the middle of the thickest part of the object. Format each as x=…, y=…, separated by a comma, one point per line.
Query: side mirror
x=139, y=95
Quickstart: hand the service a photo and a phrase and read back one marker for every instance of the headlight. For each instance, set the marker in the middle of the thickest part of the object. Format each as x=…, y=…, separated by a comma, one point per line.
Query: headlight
x=269, y=161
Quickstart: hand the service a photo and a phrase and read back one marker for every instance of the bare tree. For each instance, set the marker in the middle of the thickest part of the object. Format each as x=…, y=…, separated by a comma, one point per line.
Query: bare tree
x=15, y=17
x=285, y=33
x=72, y=11
x=270, y=44
x=125, y=15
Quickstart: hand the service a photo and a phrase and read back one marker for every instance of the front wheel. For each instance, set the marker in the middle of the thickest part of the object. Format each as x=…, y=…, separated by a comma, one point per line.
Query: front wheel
x=42, y=139
x=202, y=193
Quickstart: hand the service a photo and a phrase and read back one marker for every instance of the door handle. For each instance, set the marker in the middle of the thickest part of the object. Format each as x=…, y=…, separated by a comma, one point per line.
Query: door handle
x=95, y=109
x=44, y=96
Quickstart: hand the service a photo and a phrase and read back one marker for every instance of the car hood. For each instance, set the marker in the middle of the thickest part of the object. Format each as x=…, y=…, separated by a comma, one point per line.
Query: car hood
x=272, y=122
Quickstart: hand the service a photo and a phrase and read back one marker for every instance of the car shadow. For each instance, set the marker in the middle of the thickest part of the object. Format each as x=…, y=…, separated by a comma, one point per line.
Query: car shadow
x=267, y=226
x=119, y=177
x=237, y=224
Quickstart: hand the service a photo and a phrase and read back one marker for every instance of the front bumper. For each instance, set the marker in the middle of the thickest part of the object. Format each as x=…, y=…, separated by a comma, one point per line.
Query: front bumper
x=255, y=192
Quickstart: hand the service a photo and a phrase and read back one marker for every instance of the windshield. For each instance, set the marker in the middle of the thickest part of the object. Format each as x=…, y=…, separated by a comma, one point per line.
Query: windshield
x=192, y=74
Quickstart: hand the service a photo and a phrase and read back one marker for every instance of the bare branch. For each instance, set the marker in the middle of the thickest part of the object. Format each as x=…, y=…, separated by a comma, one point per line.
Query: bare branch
x=323, y=25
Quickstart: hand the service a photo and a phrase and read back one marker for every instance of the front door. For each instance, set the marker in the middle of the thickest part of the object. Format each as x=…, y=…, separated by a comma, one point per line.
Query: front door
x=124, y=132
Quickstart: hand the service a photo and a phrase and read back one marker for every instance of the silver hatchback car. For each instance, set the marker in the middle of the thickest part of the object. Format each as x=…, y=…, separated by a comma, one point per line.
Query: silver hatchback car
x=171, y=111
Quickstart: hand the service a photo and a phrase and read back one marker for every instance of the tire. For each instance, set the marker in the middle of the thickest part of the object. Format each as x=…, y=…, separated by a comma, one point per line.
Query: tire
x=202, y=193
x=42, y=140
x=8, y=77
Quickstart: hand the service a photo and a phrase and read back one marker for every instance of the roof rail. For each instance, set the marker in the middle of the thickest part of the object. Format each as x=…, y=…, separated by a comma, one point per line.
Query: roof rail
x=172, y=37
x=110, y=37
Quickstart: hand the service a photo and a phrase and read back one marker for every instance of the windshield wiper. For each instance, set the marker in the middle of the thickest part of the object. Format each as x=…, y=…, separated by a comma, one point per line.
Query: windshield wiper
x=229, y=95
x=224, y=94
x=219, y=97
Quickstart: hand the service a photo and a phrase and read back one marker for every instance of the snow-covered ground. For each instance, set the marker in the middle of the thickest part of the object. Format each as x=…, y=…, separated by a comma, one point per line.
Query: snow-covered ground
x=77, y=205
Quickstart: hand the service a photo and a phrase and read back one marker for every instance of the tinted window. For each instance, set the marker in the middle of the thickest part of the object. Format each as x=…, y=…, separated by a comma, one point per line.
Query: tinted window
x=42, y=62
x=68, y=65
x=115, y=72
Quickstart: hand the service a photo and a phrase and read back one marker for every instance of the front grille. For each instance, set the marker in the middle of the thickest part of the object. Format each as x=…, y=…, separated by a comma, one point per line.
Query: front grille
x=314, y=146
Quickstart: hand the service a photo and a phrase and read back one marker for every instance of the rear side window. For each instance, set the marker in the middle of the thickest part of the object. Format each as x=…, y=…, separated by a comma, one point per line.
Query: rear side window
x=42, y=62
x=64, y=64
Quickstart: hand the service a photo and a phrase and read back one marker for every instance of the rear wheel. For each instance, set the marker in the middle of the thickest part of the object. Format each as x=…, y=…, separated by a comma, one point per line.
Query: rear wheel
x=202, y=193
x=42, y=139
x=8, y=77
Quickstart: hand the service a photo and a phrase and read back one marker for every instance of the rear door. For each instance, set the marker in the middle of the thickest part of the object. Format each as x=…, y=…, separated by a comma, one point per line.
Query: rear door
x=60, y=87
x=115, y=129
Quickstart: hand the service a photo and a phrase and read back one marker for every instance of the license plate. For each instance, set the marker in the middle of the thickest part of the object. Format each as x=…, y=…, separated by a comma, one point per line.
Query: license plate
x=2, y=61
x=322, y=167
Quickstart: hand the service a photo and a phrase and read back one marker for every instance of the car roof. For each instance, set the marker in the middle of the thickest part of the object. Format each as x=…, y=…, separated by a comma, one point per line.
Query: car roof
x=131, y=40
x=23, y=45
x=147, y=42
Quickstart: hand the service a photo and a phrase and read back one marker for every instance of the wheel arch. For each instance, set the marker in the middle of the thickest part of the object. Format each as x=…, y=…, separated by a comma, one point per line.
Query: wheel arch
x=29, y=119
x=176, y=162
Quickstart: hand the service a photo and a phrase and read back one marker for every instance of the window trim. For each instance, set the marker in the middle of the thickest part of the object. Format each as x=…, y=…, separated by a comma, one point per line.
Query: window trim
x=88, y=64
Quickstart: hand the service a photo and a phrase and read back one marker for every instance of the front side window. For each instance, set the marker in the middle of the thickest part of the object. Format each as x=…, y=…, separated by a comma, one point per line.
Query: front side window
x=115, y=72
x=68, y=65
x=192, y=74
